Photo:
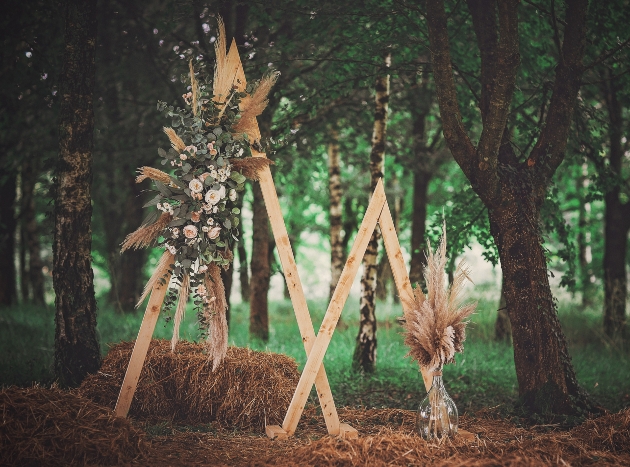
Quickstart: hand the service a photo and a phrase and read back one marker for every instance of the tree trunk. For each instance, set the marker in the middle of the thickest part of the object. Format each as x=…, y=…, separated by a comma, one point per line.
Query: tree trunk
x=365, y=351
x=8, y=224
x=34, y=280
x=513, y=197
x=421, y=181
x=617, y=223
x=546, y=378
x=77, y=351
x=502, y=326
x=335, y=196
x=259, y=285
x=425, y=164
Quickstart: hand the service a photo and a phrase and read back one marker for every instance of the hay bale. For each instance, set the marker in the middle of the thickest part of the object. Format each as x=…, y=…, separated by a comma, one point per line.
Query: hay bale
x=53, y=427
x=246, y=391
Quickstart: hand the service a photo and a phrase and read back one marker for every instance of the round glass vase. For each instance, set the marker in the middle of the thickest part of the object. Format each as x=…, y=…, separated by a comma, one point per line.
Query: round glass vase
x=437, y=414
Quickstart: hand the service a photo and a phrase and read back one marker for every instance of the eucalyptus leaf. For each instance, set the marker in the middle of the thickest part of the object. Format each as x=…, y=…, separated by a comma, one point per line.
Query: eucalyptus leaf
x=153, y=201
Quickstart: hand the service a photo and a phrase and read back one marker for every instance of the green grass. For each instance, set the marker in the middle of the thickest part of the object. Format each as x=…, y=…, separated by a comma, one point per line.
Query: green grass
x=483, y=376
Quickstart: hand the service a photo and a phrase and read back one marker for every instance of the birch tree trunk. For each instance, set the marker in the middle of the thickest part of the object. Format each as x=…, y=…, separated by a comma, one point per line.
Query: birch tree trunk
x=335, y=194
x=365, y=351
x=77, y=351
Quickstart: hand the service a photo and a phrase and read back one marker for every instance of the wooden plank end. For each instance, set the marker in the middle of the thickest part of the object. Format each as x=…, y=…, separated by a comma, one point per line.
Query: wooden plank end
x=276, y=432
x=347, y=432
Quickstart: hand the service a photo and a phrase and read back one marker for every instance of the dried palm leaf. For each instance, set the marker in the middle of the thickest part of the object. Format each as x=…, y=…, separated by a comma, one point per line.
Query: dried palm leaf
x=154, y=174
x=176, y=141
x=184, y=290
x=250, y=167
x=436, y=325
x=146, y=234
x=214, y=315
x=160, y=271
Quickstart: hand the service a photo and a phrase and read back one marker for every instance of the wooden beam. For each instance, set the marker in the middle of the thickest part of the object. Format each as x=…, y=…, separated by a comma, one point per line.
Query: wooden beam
x=300, y=307
x=316, y=356
x=399, y=271
x=140, y=348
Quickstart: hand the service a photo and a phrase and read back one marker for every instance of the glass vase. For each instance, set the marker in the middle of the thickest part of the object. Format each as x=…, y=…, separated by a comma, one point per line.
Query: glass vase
x=437, y=413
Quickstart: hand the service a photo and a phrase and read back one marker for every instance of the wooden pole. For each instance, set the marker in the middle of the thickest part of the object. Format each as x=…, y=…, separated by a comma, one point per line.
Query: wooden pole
x=316, y=356
x=296, y=293
x=140, y=348
x=399, y=271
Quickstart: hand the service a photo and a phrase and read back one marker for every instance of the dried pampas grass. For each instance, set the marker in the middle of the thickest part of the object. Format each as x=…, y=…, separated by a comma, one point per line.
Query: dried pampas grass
x=176, y=141
x=214, y=316
x=146, y=234
x=436, y=325
x=252, y=106
x=251, y=166
x=154, y=174
x=227, y=66
x=162, y=269
x=184, y=290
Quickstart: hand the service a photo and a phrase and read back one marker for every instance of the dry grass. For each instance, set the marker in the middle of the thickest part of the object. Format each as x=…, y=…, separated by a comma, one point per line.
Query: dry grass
x=247, y=390
x=53, y=427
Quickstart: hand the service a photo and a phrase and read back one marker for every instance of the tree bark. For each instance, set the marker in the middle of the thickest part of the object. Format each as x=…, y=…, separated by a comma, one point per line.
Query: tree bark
x=77, y=350
x=617, y=224
x=502, y=326
x=421, y=180
x=513, y=197
x=259, y=285
x=335, y=196
x=365, y=351
x=8, y=224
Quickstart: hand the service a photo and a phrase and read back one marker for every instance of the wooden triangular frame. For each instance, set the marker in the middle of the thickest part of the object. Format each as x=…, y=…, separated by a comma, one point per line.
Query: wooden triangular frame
x=377, y=212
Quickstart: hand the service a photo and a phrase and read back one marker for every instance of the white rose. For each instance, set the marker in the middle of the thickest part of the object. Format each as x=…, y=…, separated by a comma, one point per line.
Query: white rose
x=190, y=231
x=213, y=197
x=233, y=195
x=195, y=185
x=214, y=232
x=222, y=191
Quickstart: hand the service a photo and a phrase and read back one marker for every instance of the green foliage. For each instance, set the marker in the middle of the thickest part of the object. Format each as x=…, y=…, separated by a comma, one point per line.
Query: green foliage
x=483, y=375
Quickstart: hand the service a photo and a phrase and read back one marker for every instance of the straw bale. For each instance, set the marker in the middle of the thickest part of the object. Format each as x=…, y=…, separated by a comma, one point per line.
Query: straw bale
x=248, y=390
x=52, y=427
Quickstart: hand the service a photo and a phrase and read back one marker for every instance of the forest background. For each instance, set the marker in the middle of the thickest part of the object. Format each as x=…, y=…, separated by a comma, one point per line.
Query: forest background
x=360, y=96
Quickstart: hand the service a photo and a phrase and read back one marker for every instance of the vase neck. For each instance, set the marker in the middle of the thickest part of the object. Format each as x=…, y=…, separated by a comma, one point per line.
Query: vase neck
x=437, y=381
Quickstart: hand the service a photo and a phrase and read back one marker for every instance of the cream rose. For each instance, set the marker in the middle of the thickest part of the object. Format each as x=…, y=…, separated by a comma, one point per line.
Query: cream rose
x=214, y=232
x=190, y=231
x=195, y=185
x=233, y=195
x=213, y=196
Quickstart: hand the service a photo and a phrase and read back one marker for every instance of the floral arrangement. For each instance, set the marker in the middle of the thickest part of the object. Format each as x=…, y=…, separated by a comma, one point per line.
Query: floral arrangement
x=194, y=215
x=435, y=328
